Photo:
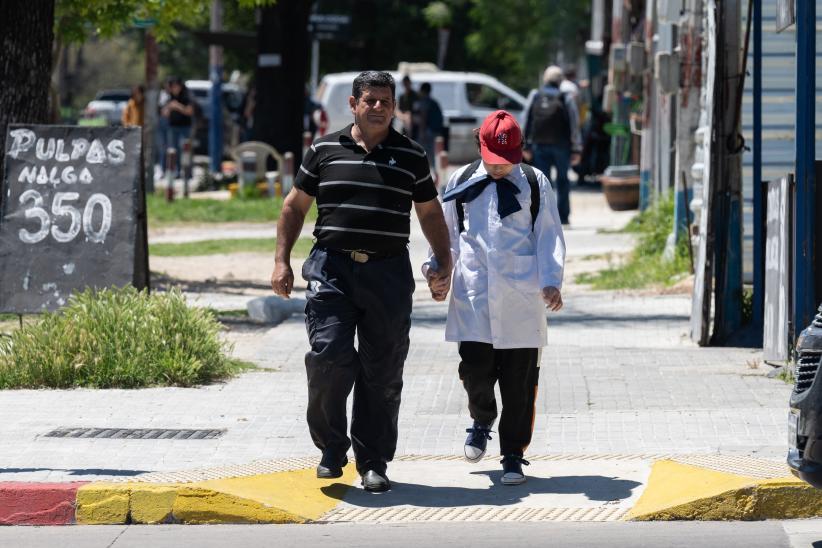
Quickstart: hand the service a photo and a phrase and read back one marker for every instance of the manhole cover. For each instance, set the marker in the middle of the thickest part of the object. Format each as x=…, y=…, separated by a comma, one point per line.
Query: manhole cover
x=136, y=433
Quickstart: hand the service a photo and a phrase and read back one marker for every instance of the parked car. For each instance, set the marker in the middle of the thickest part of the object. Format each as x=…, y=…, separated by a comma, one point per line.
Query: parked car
x=108, y=104
x=805, y=414
x=465, y=98
x=232, y=96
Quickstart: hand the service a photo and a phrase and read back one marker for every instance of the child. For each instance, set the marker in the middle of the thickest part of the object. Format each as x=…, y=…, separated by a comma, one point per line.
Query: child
x=508, y=251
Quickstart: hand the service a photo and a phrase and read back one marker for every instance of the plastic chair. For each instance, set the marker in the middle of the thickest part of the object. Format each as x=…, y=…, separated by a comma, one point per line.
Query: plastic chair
x=261, y=152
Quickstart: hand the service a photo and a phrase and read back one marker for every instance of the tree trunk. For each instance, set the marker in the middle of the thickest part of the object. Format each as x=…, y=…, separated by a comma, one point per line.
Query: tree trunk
x=282, y=70
x=26, y=38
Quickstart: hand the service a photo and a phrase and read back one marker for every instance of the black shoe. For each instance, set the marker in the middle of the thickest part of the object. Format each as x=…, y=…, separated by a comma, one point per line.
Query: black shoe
x=330, y=467
x=477, y=441
x=512, y=469
x=375, y=482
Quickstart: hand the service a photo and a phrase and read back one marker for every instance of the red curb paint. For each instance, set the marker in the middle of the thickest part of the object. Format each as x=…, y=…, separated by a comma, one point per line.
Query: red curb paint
x=38, y=503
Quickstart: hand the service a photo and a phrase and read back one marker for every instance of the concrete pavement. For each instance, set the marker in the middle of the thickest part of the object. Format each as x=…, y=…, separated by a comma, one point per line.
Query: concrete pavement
x=621, y=389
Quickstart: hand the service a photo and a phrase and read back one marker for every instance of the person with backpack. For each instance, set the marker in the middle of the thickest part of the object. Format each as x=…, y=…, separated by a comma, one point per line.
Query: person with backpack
x=428, y=121
x=508, y=251
x=552, y=135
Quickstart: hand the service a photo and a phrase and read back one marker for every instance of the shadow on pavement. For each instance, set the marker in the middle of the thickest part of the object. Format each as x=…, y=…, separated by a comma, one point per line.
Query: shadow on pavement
x=75, y=471
x=595, y=488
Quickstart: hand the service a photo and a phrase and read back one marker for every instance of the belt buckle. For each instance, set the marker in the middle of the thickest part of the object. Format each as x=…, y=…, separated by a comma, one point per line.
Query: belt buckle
x=359, y=257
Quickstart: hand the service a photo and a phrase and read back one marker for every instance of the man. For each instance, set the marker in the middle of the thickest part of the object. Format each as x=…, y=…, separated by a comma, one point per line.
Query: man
x=553, y=136
x=405, y=107
x=364, y=178
x=509, y=251
x=428, y=121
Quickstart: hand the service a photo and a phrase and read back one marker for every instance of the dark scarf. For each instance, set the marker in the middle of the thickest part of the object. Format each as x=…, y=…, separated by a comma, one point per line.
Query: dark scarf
x=507, y=202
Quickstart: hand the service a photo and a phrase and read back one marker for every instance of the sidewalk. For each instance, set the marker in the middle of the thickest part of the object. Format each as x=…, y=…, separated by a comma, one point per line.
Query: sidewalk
x=623, y=392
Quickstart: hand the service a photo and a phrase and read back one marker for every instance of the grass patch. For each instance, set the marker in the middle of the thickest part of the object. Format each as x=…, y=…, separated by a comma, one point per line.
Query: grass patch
x=216, y=211
x=117, y=338
x=214, y=247
x=646, y=266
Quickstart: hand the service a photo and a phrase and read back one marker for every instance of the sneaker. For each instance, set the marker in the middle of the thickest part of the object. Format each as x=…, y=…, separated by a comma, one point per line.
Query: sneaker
x=512, y=469
x=329, y=467
x=375, y=482
x=477, y=441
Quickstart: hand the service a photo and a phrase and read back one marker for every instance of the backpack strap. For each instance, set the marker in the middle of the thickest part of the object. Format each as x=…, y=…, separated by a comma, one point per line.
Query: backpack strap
x=530, y=175
x=464, y=176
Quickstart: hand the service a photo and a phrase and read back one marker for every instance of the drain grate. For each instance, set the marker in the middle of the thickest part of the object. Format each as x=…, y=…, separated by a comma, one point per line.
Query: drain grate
x=136, y=433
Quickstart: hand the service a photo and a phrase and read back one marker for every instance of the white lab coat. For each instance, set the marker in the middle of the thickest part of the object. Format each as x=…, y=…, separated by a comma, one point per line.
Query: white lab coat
x=501, y=266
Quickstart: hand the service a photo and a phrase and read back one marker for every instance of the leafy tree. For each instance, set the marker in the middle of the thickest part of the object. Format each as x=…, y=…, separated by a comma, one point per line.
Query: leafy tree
x=33, y=33
x=517, y=39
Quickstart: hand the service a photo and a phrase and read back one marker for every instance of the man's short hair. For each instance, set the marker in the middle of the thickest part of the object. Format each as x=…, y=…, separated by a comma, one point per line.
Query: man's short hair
x=552, y=75
x=425, y=88
x=372, y=79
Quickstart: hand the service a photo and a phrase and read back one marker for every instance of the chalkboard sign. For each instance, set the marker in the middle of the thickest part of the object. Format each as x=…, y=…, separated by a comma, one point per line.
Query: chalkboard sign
x=72, y=214
x=778, y=267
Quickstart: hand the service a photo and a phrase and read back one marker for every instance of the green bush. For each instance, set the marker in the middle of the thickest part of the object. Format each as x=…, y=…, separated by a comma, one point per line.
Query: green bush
x=646, y=266
x=117, y=338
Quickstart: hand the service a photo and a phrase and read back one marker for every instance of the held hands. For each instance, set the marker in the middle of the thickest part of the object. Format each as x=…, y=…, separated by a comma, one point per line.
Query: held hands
x=552, y=298
x=282, y=279
x=439, y=282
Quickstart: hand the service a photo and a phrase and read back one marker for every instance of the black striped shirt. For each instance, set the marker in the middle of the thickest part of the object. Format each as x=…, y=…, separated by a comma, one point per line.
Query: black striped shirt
x=364, y=198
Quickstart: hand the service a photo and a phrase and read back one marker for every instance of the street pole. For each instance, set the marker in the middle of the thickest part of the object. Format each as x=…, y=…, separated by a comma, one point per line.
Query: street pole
x=215, y=58
x=150, y=108
x=315, y=65
x=804, y=303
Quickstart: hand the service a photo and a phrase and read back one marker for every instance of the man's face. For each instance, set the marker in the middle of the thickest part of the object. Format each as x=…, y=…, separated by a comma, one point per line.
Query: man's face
x=374, y=109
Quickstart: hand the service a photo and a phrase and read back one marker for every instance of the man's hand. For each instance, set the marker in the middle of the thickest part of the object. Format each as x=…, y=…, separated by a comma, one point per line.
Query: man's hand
x=282, y=279
x=552, y=298
x=527, y=154
x=576, y=158
x=439, y=282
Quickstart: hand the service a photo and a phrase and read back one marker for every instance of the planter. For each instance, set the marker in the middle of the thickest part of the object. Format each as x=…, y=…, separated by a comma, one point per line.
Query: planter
x=621, y=193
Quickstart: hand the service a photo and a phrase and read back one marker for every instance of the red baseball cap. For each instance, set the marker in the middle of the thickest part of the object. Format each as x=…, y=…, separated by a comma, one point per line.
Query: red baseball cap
x=500, y=139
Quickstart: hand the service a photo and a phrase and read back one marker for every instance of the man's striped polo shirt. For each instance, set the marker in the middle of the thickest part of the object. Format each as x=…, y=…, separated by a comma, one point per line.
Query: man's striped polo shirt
x=364, y=198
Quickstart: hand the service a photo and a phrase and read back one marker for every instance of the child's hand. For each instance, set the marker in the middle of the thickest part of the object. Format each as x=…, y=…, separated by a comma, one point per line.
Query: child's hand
x=552, y=298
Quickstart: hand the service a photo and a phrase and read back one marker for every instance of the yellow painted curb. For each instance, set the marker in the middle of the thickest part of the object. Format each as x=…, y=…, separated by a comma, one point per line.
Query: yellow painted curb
x=102, y=504
x=678, y=491
x=295, y=496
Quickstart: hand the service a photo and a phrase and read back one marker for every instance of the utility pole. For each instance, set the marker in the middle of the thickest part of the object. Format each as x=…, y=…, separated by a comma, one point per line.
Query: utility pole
x=727, y=155
x=215, y=60
x=804, y=301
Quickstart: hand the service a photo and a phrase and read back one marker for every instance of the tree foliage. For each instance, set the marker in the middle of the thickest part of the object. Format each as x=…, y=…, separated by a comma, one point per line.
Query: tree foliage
x=517, y=39
x=75, y=20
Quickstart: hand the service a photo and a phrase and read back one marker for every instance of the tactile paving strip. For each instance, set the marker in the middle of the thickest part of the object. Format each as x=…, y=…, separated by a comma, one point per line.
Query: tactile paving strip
x=737, y=464
x=732, y=464
x=473, y=513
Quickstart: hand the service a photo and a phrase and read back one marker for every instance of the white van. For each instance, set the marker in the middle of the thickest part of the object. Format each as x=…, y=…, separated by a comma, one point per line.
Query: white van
x=465, y=98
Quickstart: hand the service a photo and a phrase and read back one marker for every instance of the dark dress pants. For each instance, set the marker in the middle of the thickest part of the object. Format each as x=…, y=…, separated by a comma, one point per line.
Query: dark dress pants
x=517, y=371
x=371, y=301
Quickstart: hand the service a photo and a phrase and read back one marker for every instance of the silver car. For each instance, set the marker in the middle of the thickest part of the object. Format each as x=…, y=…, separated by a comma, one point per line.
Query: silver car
x=109, y=105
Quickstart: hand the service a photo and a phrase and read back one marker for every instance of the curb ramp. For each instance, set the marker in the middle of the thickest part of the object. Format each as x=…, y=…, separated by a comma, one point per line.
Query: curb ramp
x=294, y=496
x=683, y=491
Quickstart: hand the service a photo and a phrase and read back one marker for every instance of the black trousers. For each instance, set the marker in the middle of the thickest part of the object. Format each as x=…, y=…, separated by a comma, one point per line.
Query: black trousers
x=371, y=301
x=517, y=370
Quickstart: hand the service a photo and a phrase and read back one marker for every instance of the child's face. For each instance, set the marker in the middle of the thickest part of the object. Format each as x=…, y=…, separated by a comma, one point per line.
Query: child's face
x=498, y=171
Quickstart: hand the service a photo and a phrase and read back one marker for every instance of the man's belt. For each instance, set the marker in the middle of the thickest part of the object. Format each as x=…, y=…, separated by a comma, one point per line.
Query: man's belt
x=363, y=255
